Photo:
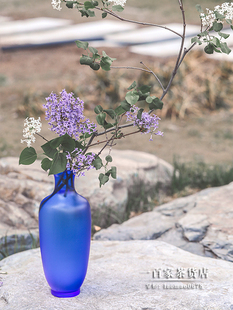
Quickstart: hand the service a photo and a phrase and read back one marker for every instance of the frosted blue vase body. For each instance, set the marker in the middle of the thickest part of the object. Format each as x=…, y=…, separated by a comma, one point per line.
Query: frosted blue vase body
x=65, y=234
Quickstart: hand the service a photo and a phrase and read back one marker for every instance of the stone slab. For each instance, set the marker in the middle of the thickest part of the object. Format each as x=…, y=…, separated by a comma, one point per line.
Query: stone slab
x=31, y=25
x=86, y=31
x=152, y=34
x=123, y=276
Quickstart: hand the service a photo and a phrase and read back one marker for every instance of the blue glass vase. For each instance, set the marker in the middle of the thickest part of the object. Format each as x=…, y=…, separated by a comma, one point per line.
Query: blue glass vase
x=65, y=235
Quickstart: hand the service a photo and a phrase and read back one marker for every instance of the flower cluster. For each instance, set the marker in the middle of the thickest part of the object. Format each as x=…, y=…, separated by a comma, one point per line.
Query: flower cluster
x=32, y=126
x=118, y=2
x=78, y=162
x=147, y=123
x=65, y=115
x=226, y=10
x=56, y=4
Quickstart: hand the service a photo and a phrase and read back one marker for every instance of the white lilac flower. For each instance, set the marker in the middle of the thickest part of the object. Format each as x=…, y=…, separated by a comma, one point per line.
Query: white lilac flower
x=32, y=126
x=226, y=9
x=56, y=4
x=118, y=2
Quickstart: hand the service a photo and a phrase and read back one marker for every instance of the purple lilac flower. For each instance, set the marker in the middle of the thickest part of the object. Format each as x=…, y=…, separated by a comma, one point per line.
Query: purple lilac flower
x=77, y=162
x=148, y=123
x=65, y=115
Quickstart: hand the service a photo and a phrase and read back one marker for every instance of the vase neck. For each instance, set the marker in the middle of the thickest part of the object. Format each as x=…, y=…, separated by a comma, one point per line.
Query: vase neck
x=64, y=181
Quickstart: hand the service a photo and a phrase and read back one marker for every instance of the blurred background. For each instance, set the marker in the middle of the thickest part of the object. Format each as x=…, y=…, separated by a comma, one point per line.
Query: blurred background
x=197, y=115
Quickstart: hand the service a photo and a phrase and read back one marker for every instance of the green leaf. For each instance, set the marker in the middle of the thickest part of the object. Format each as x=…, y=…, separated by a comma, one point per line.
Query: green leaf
x=97, y=163
x=117, y=8
x=89, y=5
x=105, y=63
x=224, y=48
x=224, y=35
x=120, y=110
x=229, y=21
x=93, y=50
x=104, y=15
x=69, y=4
x=46, y=164
x=78, y=145
x=103, y=178
x=209, y=49
x=86, y=60
x=27, y=156
x=196, y=39
x=133, y=85
x=101, y=118
x=145, y=89
x=125, y=105
x=82, y=44
x=58, y=164
x=139, y=115
x=108, y=158
x=68, y=143
x=219, y=16
x=216, y=42
x=217, y=26
x=154, y=103
x=95, y=66
x=199, y=8
x=111, y=113
x=203, y=34
x=132, y=97
x=107, y=125
x=114, y=172
x=98, y=109
x=48, y=150
x=56, y=142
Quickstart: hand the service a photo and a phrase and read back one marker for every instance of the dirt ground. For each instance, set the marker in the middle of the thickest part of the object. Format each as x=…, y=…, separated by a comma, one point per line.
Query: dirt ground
x=27, y=76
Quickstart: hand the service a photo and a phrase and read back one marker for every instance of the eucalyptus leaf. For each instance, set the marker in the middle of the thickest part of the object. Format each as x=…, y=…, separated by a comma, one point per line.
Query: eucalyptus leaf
x=224, y=35
x=114, y=172
x=145, y=89
x=139, y=115
x=93, y=50
x=89, y=5
x=27, y=156
x=104, y=15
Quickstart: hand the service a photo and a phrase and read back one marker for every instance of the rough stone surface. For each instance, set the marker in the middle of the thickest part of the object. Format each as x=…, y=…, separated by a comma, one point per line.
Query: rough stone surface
x=120, y=276
x=23, y=187
x=201, y=223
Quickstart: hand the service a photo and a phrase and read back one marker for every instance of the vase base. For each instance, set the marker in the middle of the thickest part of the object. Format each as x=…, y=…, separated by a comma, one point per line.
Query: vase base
x=65, y=294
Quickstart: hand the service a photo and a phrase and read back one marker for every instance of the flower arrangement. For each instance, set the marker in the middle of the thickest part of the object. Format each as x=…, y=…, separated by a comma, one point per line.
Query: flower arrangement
x=64, y=113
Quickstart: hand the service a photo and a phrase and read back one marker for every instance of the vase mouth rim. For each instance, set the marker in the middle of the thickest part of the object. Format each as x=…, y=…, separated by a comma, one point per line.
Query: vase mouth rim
x=67, y=171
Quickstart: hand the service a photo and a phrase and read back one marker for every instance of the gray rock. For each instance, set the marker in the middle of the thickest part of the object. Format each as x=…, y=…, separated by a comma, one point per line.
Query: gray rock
x=123, y=276
x=201, y=223
x=23, y=187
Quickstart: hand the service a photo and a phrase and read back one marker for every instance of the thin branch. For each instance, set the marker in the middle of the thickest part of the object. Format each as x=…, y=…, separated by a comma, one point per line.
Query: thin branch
x=89, y=142
x=42, y=137
x=157, y=78
x=129, y=20
x=128, y=67
x=114, y=138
